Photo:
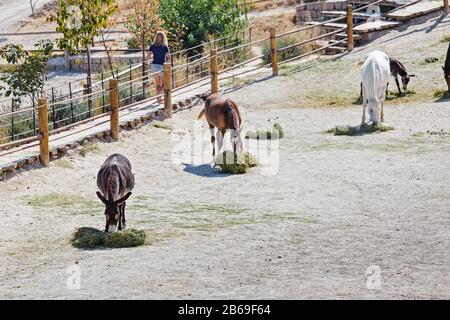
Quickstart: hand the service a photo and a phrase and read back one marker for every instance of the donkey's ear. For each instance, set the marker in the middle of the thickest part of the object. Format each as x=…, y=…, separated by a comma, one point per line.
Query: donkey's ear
x=123, y=199
x=101, y=197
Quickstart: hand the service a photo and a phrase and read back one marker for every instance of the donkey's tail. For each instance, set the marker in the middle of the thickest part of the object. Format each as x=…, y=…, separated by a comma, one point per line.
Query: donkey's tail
x=232, y=117
x=446, y=66
x=201, y=114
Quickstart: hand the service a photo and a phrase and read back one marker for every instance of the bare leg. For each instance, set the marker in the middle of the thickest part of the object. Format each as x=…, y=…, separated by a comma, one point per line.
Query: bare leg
x=159, y=87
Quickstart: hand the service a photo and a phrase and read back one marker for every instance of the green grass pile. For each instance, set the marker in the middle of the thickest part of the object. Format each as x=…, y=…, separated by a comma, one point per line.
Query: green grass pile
x=162, y=125
x=243, y=162
x=355, y=130
x=89, y=238
x=276, y=132
x=391, y=96
x=125, y=239
x=441, y=94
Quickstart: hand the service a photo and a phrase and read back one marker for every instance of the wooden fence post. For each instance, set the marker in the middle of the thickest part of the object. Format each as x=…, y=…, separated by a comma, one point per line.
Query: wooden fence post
x=350, y=43
x=214, y=71
x=446, y=8
x=274, y=51
x=114, y=102
x=168, y=89
x=43, y=131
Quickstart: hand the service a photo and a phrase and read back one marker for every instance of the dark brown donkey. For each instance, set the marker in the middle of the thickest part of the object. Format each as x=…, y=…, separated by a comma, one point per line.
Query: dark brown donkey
x=398, y=69
x=446, y=68
x=115, y=181
x=223, y=113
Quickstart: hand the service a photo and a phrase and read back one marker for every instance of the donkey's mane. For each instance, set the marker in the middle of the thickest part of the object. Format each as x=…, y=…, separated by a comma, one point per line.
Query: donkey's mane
x=113, y=183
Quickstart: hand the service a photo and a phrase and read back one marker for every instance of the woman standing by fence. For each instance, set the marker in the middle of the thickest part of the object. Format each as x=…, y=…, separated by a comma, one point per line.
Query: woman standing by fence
x=159, y=51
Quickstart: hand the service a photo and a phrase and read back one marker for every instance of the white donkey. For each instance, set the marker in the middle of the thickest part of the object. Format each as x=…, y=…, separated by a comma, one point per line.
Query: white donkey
x=375, y=74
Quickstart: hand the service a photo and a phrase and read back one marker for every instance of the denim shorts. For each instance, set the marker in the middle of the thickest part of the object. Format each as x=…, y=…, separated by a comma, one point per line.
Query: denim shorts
x=157, y=68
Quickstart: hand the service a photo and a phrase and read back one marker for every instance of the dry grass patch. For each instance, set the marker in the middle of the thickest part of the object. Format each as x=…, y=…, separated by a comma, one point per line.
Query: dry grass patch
x=357, y=130
x=89, y=238
x=276, y=132
x=88, y=148
x=239, y=165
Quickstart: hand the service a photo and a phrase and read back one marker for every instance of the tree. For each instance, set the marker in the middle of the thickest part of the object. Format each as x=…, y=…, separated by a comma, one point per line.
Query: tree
x=30, y=75
x=192, y=22
x=143, y=21
x=80, y=21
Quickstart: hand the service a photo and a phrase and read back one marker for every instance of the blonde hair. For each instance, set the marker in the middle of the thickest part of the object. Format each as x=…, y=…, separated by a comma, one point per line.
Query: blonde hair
x=164, y=37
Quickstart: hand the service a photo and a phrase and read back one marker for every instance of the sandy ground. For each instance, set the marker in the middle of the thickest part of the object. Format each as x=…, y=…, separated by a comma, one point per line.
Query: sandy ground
x=336, y=208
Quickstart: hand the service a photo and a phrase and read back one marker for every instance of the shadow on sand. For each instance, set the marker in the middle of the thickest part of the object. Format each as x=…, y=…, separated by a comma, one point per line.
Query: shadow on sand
x=442, y=96
x=204, y=170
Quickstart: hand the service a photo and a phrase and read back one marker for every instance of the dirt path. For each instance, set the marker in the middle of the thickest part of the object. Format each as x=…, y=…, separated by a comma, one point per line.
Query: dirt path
x=336, y=208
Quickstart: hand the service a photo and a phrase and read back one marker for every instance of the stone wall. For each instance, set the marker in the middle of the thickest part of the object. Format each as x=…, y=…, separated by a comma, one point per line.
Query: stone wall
x=313, y=11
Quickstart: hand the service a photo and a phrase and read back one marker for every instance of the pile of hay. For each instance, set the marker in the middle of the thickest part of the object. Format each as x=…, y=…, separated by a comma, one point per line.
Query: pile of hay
x=441, y=94
x=395, y=95
x=88, y=238
x=162, y=125
x=275, y=133
x=243, y=162
x=353, y=131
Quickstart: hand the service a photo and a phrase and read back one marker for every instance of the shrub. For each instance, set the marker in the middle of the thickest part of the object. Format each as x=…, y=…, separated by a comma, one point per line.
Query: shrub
x=133, y=43
x=285, y=54
x=190, y=23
